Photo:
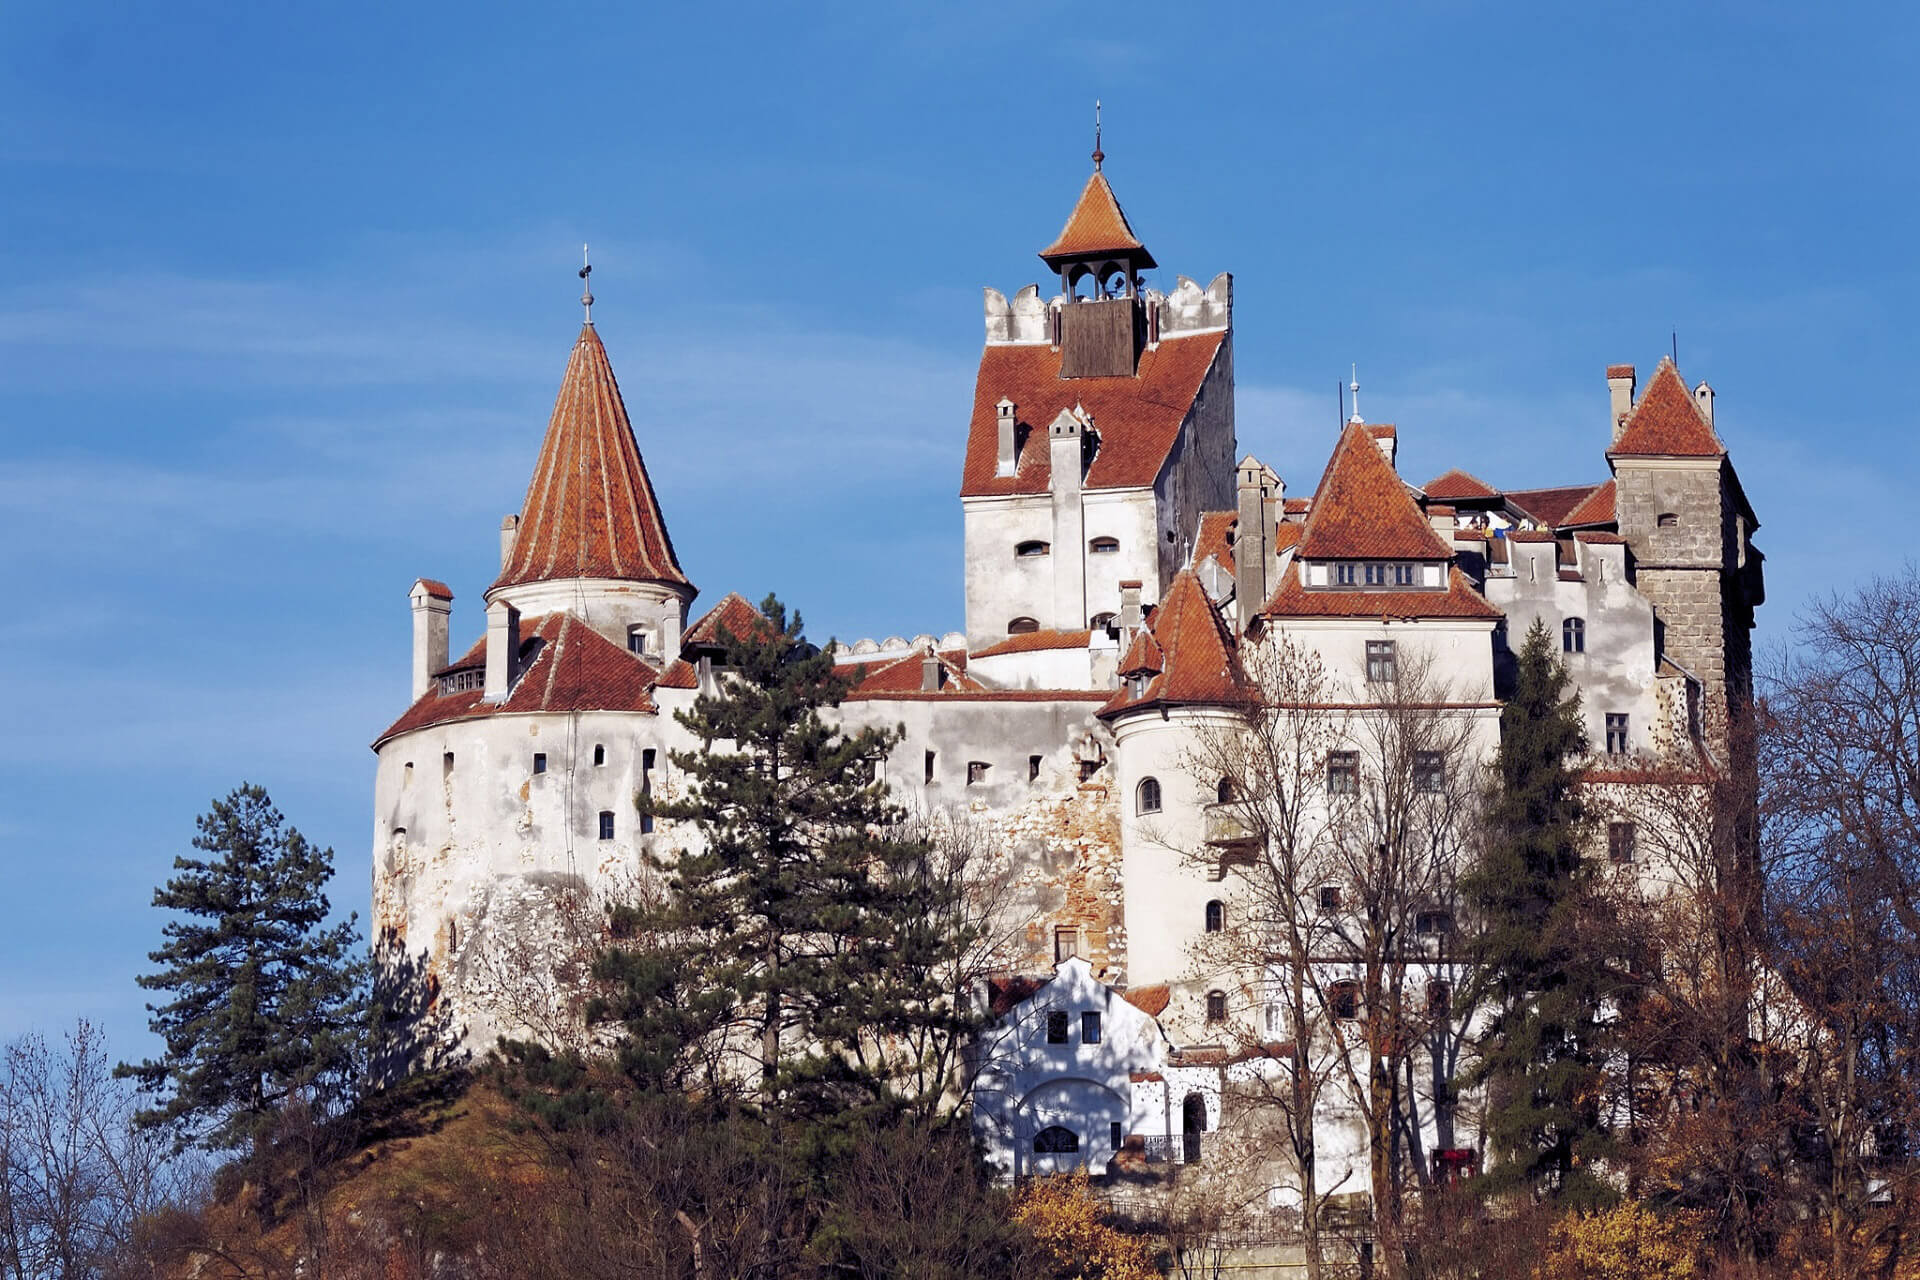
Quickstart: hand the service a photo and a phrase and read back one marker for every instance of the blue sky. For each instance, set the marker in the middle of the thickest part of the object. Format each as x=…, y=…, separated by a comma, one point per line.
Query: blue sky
x=286, y=291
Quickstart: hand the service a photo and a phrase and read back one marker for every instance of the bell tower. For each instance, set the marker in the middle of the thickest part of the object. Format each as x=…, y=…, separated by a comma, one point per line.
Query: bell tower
x=1101, y=324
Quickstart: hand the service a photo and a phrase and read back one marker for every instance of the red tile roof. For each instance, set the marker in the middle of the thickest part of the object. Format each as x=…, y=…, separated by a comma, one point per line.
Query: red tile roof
x=1530, y=535
x=1666, y=422
x=1456, y=484
x=1096, y=226
x=734, y=614
x=1143, y=655
x=1550, y=506
x=590, y=510
x=680, y=674
x=438, y=590
x=1198, y=663
x=1037, y=641
x=1619, y=371
x=1439, y=509
x=1601, y=539
x=1299, y=506
x=1362, y=510
x=574, y=669
x=1596, y=508
x=1459, y=600
x=1215, y=537
x=891, y=676
x=1151, y=1001
x=1138, y=418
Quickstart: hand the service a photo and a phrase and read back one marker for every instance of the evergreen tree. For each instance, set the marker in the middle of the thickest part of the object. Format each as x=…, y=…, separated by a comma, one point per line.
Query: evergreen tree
x=268, y=1001
x=803, y=928
x=1542, y=966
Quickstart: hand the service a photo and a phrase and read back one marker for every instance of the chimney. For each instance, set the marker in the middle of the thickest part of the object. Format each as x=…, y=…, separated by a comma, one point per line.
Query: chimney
x=1251, y=540
x=1441, y=518
x=1620, y=391
x=670, y=627
x=432, y=606
x=930, y=673
x=1066, y=442
x=1009, y=439
x=509, y=532
x=1387, y=436
x=1276, y=515
x=1129, y=612
x=1703, y=396
x=503, y=649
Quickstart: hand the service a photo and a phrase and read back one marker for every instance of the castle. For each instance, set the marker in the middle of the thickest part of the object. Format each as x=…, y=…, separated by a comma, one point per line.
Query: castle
x=1127, y=573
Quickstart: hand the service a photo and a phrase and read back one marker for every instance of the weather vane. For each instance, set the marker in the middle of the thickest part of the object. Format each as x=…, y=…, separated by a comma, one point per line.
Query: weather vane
x=1098, y=154
x=586, y=292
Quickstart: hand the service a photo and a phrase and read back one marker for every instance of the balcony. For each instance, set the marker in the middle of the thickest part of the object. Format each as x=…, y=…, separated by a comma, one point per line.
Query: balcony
x=1225, y=825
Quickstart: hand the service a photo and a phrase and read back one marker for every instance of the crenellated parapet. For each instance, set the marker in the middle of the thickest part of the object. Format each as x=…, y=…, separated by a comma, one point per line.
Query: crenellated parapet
x=1027, y=319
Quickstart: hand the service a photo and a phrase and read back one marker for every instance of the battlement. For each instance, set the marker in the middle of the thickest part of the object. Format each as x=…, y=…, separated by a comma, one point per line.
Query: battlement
x=1029, y=320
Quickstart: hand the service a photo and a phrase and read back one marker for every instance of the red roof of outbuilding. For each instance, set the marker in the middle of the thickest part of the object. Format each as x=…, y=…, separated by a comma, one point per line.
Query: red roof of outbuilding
x=1596, y=508
x=1096, y=226
x=1362, y=510
x=1197, y=659
x=1215, y=537
x=590, y=510
x=733, y=613
x=1457, y=484
x=1037, y=641
x=1138, y=418
x=1667, y=423
x=574, y=669
x=1550, y=506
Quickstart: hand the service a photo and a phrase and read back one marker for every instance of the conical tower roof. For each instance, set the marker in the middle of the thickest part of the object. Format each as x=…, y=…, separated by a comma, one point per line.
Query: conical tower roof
x=1096, y=228
x=590, y=510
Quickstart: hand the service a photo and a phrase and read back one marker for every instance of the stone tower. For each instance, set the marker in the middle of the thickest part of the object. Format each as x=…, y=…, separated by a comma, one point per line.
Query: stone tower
x=1690, y=529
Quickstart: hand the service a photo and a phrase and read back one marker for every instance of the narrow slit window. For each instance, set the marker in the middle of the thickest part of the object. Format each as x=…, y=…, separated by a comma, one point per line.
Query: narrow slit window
x=929, y=774
x=599, y=754
x=646, y=790
x=1033, y=768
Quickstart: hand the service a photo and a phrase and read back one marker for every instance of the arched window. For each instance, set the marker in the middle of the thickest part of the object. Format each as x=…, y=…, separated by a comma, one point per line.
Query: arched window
x=1573, y=635
x=1224, y=793
x=1147, y=796
x=1101, y=622
x=1022, y=627
x=1666, y=520
x=1103, y=546
x=1216, y=916
x=1216, y=1006
x=1055, y=1140
x=1034, y=548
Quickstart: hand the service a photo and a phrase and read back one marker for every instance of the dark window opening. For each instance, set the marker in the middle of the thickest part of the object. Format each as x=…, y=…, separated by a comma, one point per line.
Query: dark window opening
x=1429, y=771
x=1403, y=575
x=1666, y=520
x=606, y=824
x=1090, y=1028
x=1439, y=997
x=1054, y=1141
x=1066, y=944
x=599, y=754
x=1114, y=1136
x=1216, y=1006
x=539, y=762
x=1216, y=916
x=1089, y=767
x=646, y=789
x=976, y=772
x=1343, y=999
x=1343, y=773
x=1329, y=897
x=1026, y=549
x=446, y=765
x=1056, y=1028
x=1033, y=768
x=1435, y=922
x=1022, y=627
x=1343, y=575
x=929, y=777
x=1573, y=636
x=1102, y=546
x=1101, y=622
x=1621, y=837
x=1224, y=791
x=1618, y=743
x=1147, y=796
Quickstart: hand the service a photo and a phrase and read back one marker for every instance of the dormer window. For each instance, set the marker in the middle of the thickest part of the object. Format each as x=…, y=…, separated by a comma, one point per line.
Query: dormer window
x=640, y=640
x=1027, y=550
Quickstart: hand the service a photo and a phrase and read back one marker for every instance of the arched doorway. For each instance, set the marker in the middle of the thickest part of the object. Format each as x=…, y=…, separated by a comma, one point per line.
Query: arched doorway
x=1193, y=1123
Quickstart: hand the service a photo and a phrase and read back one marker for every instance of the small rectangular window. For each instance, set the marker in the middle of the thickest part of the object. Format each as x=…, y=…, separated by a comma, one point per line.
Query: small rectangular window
x=1376, y=575
x=599, y=754
x=606, y=824
x=1089, y=1028
x=1056, y=1028
x=1433, y=922
x=1621, y=837
x=929, y=777
x=1216, y=1006
x=1343, y=574
x=1033, y=768
x=1329, y=897
x=1066, y=944
x=1429, y=771
x=1618, y=742
x=1383, y=662
x=539, y=762
x=1343, y=773
x=976, y=772
x=1114, y=1135
x=1403, y=575
x=1573, y=635
x=1344, y=997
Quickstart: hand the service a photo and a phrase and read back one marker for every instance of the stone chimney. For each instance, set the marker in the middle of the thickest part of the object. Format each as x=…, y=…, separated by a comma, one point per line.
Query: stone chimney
x=1441, y=518
x=1620, y=392
x=509, y=532
x=503, y=649
x=1066, y=442
x=1252, y=540
x=1129, y=612
x=1387, y=436
x=1703, y=396
x=930, y=673
x=1009, y=439
x=432, y=607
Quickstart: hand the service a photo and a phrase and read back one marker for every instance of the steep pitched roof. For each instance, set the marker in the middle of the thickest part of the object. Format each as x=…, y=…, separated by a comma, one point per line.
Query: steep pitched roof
x=1198, y=662
x=733, y=613
x=1362, y=510
x=571, y=668
x=1215, y=537
x=1138, y=419
x=1550, y=506
x=1596, y=508
x=590, y=510
x=1096, y=226
x=1667, y=423
x=906, y=675
x=1457, y=485
x=1294, y=600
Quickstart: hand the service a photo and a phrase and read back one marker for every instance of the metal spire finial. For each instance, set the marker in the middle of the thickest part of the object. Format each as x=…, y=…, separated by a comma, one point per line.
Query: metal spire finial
x=1356, y=419
x=586, y=292
x=1098, y=154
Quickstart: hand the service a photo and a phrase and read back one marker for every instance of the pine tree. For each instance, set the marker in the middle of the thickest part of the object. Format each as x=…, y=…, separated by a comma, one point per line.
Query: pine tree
x=803, y=928
x=1541, y=962
x=269, y=1001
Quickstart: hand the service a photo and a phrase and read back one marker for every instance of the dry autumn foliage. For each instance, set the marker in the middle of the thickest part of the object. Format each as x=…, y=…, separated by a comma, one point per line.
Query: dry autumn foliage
x=1074, y=1239
x=1626, y=1242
